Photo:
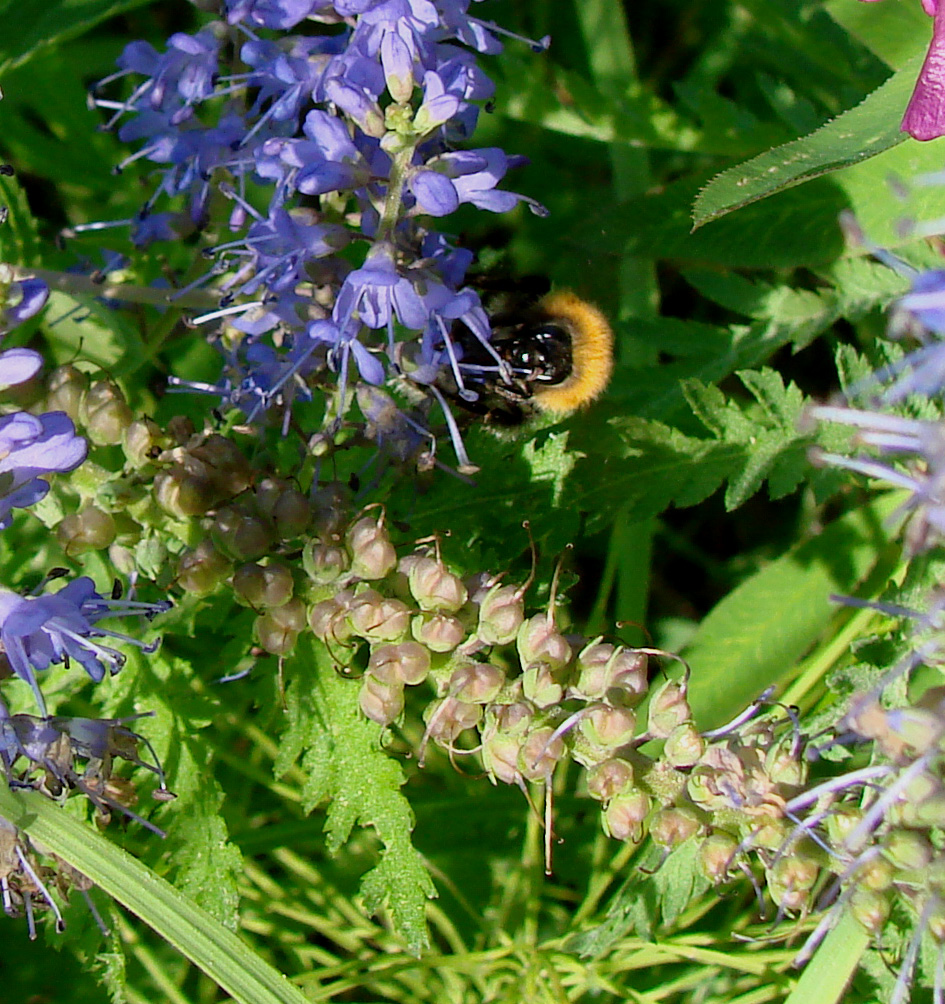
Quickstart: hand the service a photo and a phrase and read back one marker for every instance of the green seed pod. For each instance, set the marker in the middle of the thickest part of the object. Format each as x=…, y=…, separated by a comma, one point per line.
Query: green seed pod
x=181, y=429
x=907, y=850
x=200, y=571
x=181, y=494
x=65, y=388
x=407, y=661
x=539, y=640
x=331, y=506
x=540, y=754
x=540, y=686
x=625, y=814
x=243, y=537
x=105, y=413
x=434, y=587
x=372, y=553
x=870, y=909
x=224, y=464
x=143, y=442
x=439, y=632
x=88, y=530
x=448, y=718
x=672, y=827
x=476, y=683
x=291, y=514
x=608, y=728
x=376, y=618
x=324, y=563
x=630, y=684
x=717, y=856
x=608, y=779
x=684, y=746
x=791, y=879
x=277, y=630
x=593, y=671
x=381, y=702
x=501, y=613
x=263, y=586
x=500, y=755
x=668, y=709
x=328, y=619
x=876, y=874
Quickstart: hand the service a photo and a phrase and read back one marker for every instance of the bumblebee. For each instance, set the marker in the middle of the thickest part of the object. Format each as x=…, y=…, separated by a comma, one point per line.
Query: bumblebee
x=552, y=359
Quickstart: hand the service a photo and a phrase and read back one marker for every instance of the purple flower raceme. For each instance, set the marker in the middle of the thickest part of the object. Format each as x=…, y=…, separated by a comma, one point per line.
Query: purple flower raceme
x=40, y=631
x=375, y=160
x=925, y=114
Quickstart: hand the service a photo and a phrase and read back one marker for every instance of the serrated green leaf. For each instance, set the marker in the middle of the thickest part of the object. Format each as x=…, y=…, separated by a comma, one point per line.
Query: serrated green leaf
x=755, y=636
x=361, y=784
x=857, y=134
x=195, y=934
x=19, y=242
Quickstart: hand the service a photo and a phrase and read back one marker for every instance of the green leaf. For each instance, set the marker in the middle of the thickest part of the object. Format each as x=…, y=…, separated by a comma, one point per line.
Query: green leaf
x=234, y=967
x=29, y=25
x=347, y=768
x=828, y=973
x=896, y=32
x=755, y=636
x=862, y=132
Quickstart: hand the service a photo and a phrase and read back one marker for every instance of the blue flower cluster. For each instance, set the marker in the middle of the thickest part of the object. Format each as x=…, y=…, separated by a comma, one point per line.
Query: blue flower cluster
x=354, y=134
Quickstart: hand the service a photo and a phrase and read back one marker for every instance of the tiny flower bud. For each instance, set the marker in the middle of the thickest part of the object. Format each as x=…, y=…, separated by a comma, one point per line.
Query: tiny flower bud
x=610, y=778
x=263, y=586
x=372, y=553
x=88, y=530
x=434, y=587
x=476, y=682
x=501, y=613
x=684, y=746
x=623, y=818
x=105, y=413
x=439, y=632
x=408, y=661
x=200, y=571
x=381, y=702
x=668, y=708
x=672, y=827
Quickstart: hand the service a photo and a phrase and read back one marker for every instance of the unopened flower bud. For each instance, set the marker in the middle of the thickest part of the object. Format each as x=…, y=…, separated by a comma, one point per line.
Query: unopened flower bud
x=408, y=661
x=501, y=613
x=376, y=618
x=200, y=571
x=434, y=587
x=88, y=530
x=540, y=754
x=381, y=702
x=672, y=827
x=323, y=563
x=624, y=816
x=439, y=632
x=668, y=708
x=372, y=553
x=476, y=682
x=263, y=586
x=716, y=856
x=105, y=413
x=65, y=388
x=608, y=779
x=684, y=746
x=539, y=640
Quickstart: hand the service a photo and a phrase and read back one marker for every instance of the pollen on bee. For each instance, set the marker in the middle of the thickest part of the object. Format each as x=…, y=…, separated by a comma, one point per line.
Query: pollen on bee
x=592, y=353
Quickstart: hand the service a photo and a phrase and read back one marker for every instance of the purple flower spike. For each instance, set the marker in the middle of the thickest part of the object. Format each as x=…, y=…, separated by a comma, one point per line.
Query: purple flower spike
x=31, y=446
